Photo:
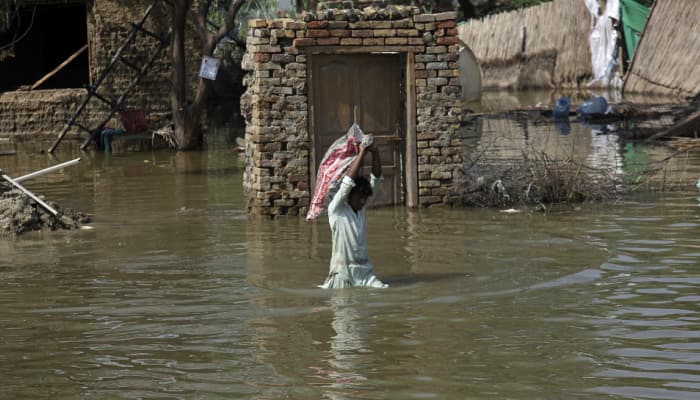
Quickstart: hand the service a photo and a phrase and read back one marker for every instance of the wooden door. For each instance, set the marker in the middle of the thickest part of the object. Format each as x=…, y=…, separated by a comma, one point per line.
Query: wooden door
x=366, y=87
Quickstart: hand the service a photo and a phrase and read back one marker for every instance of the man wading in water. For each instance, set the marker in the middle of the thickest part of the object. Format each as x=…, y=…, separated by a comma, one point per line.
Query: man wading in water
x=346, y=215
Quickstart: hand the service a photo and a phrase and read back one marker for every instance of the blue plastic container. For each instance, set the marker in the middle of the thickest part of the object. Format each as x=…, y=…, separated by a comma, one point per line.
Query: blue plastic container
x=595, y=106
x=561, y=108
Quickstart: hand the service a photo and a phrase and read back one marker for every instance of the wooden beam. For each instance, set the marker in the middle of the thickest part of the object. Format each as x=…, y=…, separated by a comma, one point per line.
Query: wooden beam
x=623, y=90
x=311, y=125
x=361, y=49
x=60, y=67
x=686, y=127
x=411, y=140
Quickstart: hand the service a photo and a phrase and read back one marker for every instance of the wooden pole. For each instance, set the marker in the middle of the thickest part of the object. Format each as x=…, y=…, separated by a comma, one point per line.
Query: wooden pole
x=60, y=67
x=411, y=140
x=687, y=126
x=636, y=50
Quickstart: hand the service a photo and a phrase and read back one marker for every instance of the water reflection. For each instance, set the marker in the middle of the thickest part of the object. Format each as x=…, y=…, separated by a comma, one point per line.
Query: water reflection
x=182, y=295
x=501, y=140
x=348, y=348
x=495, y=101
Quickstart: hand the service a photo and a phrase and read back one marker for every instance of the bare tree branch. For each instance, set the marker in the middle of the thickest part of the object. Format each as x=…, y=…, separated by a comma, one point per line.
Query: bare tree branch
x=229, y=21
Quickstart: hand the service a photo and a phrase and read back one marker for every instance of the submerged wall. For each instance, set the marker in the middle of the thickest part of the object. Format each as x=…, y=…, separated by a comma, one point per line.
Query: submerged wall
x=40, y=114
x=545, y=46
x=276, y=103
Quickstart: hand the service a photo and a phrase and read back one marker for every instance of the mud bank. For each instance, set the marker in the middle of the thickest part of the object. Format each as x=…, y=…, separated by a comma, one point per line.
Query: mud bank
x=19, y=214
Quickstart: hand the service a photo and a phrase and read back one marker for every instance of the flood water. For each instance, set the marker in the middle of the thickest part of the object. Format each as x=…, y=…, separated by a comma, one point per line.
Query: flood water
x=175, y=293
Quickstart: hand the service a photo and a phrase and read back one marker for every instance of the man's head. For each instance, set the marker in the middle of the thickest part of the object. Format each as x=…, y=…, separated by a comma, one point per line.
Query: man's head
x=360, y=193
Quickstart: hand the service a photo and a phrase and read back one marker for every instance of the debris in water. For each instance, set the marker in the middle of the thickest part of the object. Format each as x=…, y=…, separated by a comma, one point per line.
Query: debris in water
x=19, y=213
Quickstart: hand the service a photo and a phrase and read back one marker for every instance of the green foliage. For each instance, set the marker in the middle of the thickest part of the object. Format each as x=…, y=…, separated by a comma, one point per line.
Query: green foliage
x=497, y=6
x=251, y=9
x=526, y=3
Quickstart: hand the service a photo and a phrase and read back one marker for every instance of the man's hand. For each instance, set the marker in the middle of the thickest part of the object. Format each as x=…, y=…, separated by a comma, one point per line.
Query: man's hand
x=376, y=161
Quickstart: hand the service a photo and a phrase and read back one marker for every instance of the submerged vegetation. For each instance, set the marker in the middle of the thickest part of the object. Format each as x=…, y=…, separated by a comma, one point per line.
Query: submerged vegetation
x=547, y=176
x=536, y=180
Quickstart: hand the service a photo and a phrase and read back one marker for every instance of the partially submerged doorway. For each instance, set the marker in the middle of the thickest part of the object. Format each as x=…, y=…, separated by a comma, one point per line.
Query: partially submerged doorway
x=362, y=88
x=304, y=80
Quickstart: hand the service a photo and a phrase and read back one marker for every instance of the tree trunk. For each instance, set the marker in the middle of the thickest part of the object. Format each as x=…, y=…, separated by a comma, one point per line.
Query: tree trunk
x=187, y=115
x=188, y=130
x=184, y=129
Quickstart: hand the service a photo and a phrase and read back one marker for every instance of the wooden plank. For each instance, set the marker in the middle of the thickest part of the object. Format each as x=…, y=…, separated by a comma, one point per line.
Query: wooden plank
x=688, y=125
x=411, y=161
x=312, y=124
x=60, y=67
x=361, y=49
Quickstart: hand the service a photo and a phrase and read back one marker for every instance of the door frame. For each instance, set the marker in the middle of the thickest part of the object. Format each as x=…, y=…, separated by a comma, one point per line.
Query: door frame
x=409, y=171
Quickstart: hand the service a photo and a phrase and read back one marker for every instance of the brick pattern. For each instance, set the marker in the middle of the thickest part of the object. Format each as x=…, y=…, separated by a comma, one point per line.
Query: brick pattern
x=275, y=104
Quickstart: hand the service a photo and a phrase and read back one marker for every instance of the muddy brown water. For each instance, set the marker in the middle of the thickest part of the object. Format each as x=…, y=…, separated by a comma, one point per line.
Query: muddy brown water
x=175, y=293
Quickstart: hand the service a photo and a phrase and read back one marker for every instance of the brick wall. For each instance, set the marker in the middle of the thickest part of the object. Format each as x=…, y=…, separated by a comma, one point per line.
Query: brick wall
x=275, y=104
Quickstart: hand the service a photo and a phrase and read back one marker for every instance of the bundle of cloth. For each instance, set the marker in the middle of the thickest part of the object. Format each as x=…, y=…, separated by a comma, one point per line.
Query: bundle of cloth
x=333, y=167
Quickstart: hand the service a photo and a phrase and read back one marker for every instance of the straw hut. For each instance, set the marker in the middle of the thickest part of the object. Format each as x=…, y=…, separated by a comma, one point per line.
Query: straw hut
x=538, y=47
x=665, y=61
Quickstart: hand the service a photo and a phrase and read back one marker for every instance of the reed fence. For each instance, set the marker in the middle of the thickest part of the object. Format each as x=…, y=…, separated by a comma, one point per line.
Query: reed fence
x=666, y=58
x=545, y=46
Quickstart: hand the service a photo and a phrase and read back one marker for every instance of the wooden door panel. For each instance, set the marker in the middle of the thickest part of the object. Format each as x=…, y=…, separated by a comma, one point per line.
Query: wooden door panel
x=366, y=87
x=333, y=118
x=379, y=106
x=380, y=99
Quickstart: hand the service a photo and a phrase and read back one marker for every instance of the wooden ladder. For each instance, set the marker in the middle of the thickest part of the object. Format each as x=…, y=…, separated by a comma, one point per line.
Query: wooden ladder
x=114, y=104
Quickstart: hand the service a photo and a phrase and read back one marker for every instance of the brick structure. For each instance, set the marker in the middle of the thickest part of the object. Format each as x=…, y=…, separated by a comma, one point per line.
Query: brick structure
x=275, y=105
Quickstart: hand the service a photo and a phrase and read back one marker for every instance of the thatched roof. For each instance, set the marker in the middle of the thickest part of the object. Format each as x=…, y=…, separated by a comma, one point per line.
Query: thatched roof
x=666, y=59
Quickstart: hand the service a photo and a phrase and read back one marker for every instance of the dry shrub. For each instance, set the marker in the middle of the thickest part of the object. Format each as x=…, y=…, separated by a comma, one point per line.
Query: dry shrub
x=167, y=135
x=536, y=180
x=675, y=171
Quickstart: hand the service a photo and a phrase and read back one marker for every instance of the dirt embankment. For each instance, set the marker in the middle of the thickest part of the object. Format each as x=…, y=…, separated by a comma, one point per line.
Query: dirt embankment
x=19, y=214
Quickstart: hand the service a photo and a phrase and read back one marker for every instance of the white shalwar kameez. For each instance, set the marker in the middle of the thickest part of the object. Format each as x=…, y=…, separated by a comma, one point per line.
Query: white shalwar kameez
x=350, y=265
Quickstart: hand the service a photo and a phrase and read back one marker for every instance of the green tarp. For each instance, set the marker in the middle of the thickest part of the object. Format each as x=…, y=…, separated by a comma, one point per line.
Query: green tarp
x=634, y=16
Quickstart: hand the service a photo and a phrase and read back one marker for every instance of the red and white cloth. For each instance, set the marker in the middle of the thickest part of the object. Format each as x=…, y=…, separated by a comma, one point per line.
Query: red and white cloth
x=333, y=167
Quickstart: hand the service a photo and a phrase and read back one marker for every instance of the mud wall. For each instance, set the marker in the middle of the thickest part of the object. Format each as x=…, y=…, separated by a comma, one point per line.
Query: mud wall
x=40, y=114
x=109, y=25
x=538, y=47
x=275, y=105
x=43, y=113
x=667, y=55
